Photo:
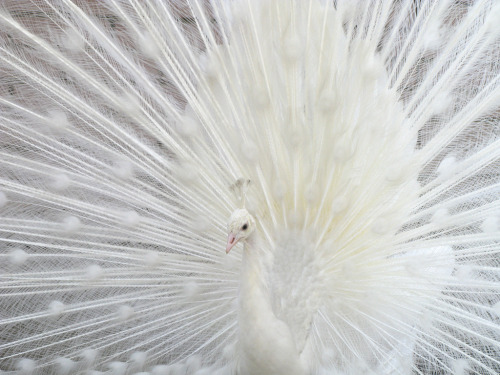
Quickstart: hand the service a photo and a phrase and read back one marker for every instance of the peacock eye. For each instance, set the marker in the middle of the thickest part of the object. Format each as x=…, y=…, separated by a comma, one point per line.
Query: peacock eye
x=244, y=227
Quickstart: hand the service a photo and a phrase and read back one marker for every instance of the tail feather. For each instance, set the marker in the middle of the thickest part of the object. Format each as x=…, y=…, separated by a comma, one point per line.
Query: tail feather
x=369, y=132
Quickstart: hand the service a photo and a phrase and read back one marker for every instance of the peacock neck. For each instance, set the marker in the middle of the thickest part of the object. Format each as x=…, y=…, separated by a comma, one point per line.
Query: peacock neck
x=254, y=292
x=266, y=343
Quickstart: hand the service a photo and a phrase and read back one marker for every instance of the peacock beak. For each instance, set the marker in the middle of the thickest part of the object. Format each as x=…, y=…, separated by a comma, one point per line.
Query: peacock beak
x=231, y=241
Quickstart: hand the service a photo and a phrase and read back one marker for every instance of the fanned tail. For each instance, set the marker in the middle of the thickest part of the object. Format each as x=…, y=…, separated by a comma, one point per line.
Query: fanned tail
x=369, y=132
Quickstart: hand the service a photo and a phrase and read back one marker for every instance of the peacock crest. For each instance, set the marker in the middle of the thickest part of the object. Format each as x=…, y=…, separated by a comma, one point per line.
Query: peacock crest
x=240, y=189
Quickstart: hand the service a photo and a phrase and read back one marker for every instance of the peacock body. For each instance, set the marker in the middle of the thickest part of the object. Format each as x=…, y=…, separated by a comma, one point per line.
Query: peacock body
x=349, y=149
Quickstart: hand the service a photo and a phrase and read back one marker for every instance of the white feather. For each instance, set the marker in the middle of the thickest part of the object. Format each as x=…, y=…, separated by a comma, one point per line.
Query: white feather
x=369, y=132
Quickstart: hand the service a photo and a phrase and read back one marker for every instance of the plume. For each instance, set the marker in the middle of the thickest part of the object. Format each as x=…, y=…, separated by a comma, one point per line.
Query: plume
x=362, y=136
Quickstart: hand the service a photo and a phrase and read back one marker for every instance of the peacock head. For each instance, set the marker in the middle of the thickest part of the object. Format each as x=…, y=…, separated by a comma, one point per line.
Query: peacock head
x=241, y=225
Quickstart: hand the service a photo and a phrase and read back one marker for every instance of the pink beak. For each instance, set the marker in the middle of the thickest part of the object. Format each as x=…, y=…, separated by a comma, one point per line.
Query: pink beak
x=231, y=241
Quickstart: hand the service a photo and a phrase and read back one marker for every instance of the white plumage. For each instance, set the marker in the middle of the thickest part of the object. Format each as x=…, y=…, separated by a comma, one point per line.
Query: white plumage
x=367, y=240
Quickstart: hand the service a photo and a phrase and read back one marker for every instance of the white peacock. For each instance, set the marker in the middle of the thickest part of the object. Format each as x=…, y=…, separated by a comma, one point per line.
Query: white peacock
x=368, y=241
